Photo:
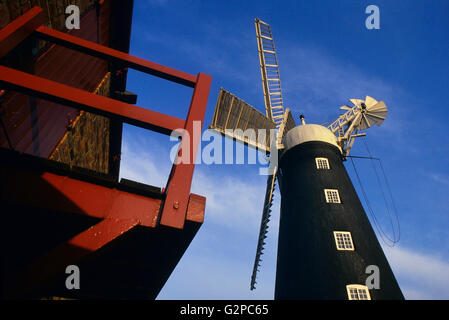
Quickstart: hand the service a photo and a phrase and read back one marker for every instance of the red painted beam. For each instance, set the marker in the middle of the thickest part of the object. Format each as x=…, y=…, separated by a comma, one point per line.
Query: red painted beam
x=112, y=55
x=93, y=199
x=122, y=211
x=178, y=188
x=80, y=99
x=196, y=207
x=81, y=246
x=64, y=194
x=19, y=29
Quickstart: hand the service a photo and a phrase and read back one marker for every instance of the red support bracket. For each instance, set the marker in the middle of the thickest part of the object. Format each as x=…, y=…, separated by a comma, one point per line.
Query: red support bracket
x=84, y=100
x=174, y=208
x=112, y=55
x=178, y=189
x=70, y=195
x=119, y=210
x=20, y=29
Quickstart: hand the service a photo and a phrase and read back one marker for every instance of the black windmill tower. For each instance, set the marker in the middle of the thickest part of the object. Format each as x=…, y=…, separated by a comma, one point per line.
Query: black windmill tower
x=326, y=241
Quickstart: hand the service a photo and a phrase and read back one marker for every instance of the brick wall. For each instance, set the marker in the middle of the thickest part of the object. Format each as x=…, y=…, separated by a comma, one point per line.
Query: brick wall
x=86, y=143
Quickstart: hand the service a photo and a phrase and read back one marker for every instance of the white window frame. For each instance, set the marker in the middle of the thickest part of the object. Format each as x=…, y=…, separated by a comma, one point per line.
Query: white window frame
x=328, y=198
x=326, y=161
x=358, y=288
x=345, y=248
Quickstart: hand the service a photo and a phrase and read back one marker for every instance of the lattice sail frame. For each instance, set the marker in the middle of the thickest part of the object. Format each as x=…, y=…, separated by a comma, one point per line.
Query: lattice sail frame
x=230, y=111
x=233, y=117
x=269, y=69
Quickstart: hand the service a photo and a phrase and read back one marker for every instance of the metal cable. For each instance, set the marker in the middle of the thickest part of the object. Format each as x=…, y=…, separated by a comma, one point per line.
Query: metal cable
x=383, y=195
x=382, y=192
x=382, y=234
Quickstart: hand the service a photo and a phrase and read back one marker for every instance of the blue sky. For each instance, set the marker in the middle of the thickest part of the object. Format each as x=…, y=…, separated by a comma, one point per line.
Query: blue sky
x=326, y=56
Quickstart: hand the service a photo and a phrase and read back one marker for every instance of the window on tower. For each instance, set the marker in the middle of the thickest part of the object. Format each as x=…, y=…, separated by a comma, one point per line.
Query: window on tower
x=332, y=196
x=358, y=292
x=343, y=240
x=322, y=163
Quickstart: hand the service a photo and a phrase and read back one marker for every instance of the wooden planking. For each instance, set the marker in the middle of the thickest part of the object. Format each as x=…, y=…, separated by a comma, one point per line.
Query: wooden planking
x=232, y=113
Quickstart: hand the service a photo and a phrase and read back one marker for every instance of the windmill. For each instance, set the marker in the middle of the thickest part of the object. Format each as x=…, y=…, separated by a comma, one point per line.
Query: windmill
x=326, y=242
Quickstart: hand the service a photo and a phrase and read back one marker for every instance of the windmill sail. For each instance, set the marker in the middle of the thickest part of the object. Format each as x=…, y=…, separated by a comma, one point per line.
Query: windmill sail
x=233, y=117
x=271, y=182
x=376, y=112
x=363, y=115
x=274, y=108
x=286, y=124
x=269, y=69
